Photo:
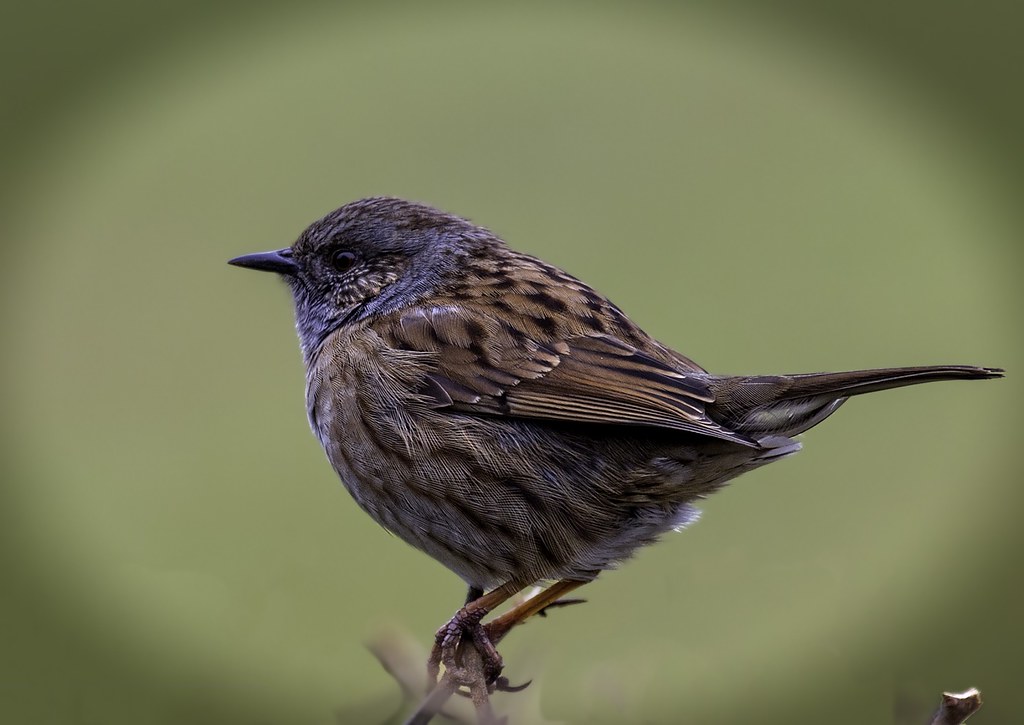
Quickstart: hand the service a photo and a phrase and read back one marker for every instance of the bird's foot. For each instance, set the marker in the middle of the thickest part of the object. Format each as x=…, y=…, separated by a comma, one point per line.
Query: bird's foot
x=465, y=628
x=465, y=646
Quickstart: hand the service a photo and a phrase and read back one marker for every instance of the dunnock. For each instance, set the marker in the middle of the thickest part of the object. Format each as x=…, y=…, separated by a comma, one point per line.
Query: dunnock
x=506, y=419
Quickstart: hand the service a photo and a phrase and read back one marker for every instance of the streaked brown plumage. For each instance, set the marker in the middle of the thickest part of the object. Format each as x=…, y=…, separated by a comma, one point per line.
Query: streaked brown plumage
x=505, y=418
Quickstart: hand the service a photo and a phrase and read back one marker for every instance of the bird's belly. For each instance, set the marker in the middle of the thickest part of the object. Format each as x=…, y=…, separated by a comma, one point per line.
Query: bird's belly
x=410, y=468
x=497, y=499
x=492, y=500
x=427, y=488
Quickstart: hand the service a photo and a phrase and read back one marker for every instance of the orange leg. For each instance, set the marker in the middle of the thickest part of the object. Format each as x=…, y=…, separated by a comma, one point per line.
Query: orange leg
x=500, y=626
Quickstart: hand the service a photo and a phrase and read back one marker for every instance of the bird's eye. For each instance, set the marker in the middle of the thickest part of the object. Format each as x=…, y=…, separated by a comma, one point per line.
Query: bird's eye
x=343, y=260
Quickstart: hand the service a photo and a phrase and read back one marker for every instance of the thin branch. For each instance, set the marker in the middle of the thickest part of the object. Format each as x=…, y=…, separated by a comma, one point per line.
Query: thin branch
x=433, y=703
x=471, y=674
x=402, y=658
x=956, y=707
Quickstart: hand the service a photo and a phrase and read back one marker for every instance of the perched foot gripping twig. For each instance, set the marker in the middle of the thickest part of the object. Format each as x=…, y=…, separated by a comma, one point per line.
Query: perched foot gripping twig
x=466, y=648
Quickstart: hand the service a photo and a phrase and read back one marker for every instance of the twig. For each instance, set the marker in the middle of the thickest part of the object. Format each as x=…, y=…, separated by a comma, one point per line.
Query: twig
x=399, y=656
x=433, y=703
x=471, y=673
x=402, y=658
x=387, y=654
x=956, y=707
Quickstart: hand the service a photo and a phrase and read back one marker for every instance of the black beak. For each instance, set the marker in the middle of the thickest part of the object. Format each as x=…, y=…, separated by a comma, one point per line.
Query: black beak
x=279, y=261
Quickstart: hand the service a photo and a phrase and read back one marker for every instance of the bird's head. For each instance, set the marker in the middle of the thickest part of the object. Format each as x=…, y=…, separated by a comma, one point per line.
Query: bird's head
x=368, y=258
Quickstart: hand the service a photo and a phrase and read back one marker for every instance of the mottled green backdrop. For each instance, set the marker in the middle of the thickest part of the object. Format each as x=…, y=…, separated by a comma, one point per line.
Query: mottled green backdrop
x=804, y=188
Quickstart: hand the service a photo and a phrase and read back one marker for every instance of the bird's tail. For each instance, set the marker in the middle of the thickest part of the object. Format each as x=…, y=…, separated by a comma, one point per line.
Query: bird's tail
x=785, y=405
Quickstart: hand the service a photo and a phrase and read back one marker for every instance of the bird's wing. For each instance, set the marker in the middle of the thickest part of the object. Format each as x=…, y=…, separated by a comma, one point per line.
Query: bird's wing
x=485, y=365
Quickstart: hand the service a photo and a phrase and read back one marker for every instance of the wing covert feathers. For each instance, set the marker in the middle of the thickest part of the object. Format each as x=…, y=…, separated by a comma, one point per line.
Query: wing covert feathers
x=486, y=365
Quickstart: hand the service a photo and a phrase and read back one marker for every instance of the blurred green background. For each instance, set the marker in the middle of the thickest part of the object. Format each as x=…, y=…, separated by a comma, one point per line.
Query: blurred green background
x=803, y=187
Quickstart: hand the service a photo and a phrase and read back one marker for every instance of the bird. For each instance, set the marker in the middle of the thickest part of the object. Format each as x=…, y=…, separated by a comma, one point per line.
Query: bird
x=511, y=422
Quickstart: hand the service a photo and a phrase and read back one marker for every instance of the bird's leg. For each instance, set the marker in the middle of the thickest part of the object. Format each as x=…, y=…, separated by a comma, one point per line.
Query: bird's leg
x=473, y=594
x=546, y=599
x=486, y=636
x=467, y=621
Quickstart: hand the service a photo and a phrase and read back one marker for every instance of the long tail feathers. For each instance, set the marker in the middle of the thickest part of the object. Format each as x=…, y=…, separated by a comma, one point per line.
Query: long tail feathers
x=790, y=404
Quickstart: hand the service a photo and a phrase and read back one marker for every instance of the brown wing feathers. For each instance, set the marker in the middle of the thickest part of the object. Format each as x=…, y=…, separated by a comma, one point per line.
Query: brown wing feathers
x=487, y=366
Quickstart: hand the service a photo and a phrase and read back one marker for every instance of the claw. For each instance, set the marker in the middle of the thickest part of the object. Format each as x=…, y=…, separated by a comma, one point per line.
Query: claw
x=501, y=684
x=559, y=603
x=433, y=670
